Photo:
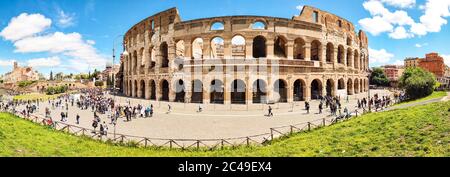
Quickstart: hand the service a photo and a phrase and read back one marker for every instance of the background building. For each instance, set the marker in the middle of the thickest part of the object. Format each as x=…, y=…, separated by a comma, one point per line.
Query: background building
x=434, y=64
x=393, y=73
x=19, y=74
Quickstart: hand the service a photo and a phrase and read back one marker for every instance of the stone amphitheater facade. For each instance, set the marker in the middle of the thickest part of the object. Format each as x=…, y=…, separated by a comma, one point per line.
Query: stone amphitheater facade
x=244, y=59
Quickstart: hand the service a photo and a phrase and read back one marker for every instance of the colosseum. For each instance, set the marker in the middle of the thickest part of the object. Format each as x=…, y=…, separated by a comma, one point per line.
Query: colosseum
x=243, y=60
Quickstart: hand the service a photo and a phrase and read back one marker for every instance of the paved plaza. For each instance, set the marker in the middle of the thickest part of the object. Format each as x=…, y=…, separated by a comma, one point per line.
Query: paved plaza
x=215, y=122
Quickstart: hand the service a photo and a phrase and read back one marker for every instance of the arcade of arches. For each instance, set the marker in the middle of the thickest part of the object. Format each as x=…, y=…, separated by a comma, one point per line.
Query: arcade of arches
x=238, y=91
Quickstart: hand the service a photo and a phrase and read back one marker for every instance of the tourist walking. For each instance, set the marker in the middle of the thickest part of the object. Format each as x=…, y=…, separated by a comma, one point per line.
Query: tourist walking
x=270, y=112
x=78, y=119
x=320, y=107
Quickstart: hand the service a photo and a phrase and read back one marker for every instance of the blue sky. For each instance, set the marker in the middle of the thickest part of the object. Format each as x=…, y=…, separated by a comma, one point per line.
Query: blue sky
x=76, y=36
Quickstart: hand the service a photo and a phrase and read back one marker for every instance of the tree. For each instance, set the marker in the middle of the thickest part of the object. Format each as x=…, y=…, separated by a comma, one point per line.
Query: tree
x=417, y=83
x=51, y=75
x=379, y=78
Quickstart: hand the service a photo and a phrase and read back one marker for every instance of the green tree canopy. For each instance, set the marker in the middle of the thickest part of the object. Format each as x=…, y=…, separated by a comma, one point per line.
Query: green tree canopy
x=379, y=78
x=417, y=83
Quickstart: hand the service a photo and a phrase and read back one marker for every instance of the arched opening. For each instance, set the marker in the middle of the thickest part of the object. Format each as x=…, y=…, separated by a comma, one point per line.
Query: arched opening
x=356, y=87
x=259, y=47
x=164, y=90
x=217, y=26
x=164, y=50
x=151, y=54
x=341, y=84
x=135, y=62
x=349, y=57
x=217, y=92
x=142, y=93
x=142, y=60
x=341, y=53
x=299, y=86
x=330, y=87
x=349, y=40
x=299, y=49
x=330, y=52
x=316, y=89
x=280, y=88
x=197, y=48
x=238, y=47
x=135, y=93
x=315, y=50
x=361, y=87
x=197, y=92
x=259, y=25
x=259, y=91
x=152, y=90
x=217, y=48
x=130, y=89
x=180, y=92
x=356, y=59
x=280, y=48
x=238, y=92
x=180, y=49
x=349, y=87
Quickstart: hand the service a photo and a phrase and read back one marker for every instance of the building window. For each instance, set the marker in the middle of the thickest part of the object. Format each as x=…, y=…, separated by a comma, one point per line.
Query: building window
x=340, y=23
x=217, y=26
x=315, y=17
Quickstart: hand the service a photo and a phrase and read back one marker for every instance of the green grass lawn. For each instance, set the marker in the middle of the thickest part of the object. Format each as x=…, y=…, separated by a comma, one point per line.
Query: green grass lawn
x=417, y=131
x=35, y=96
x=435, y=95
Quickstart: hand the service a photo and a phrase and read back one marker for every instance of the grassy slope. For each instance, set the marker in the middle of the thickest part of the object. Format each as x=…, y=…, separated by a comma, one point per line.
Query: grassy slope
x=419, y=131
x=435, y=95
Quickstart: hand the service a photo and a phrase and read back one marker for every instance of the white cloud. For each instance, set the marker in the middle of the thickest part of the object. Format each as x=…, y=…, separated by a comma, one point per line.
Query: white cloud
x=90, y=42
x=44, y=62
x=435, y=12
x=65, y=20
x=421, y=45
x=379, y=56
x=401, y=3
x=400, y=33
x=446, y=59
x=398, y=62
x=25, y=25
x=299, y=7
x=6, y=62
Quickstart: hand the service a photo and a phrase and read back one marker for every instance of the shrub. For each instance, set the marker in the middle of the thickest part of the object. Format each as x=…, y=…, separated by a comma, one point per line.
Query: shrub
x=379, y=78
x=99, y=83
x=417, y=83
x=56, y=90
x=23, y=84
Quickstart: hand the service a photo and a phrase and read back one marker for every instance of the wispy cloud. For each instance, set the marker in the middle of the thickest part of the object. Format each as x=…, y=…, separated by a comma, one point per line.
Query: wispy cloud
x=65, y=19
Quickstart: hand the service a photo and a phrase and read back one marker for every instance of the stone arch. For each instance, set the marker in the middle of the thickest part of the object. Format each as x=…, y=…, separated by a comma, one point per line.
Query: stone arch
x=142, y=58
x=280, y=47
x=135, y=62
x=197, y=48
x=341, y=54
x=330, y=52
x=142, y=89
x=299, y=90
x=217, y=48
x=180, y=91
x=349, y=41
x=152, y=86
x=315, y=50
x=341, y=84
x=197, y=91
x=217, y=92
x=330, y=87
x=217, y=26
x=164, y=85
x=356, y=59
x=350, y=87
x=280, y=91
x=356, y=86
x=299, y=49
x=164, y=50
x=238, y=47
x=238, y=92
x=349, y=57
x=130, y=88
x=361, y=87
x=135, y=86
x=180, y=47
x=259, y=25
x=316, y=89
x=259, y=91
x=259, y=47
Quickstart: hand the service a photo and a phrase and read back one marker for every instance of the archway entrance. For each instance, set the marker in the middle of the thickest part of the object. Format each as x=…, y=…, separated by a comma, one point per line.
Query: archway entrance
x=152, y=90
x=298, y=90
x=259, y=47
x=350, y=87
x=142, y=94
x=259, y=91
x=135, y=93
x=216, y=91
x=280, y=88
x=197, y=92
x=316, y=89
x=165, y=90
x=330, y=87
x=180, y=91
x=238, y=89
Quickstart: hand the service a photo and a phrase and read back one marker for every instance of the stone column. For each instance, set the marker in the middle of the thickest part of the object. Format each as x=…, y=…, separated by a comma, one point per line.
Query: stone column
x=227, y=91
x=290, y=49
x=206, y=94
x=323, y=59
x=248, y=49
x=188, y=49
x=227, y=48
x=290, y=90
x=307, y=93
x=270, y=48
x=207, y=49
x=335, y=57
x=344, y=57
x=147, y=90
x=172, y=55
x=308, y=52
